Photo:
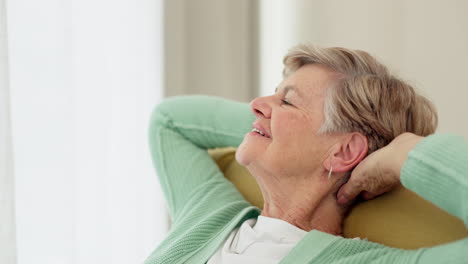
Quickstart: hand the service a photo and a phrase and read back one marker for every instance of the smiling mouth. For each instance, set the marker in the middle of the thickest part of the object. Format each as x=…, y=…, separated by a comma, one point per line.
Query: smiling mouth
x=258, y=131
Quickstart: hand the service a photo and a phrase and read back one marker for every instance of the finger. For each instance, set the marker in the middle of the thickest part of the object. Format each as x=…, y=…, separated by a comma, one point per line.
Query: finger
x=368, y=195
x=348, y=192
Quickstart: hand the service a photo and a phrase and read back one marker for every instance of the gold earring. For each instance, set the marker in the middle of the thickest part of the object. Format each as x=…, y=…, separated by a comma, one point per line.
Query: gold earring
x=330, y=172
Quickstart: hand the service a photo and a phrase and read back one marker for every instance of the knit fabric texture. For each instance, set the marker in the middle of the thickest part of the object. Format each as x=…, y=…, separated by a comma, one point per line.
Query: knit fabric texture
x=205, y=207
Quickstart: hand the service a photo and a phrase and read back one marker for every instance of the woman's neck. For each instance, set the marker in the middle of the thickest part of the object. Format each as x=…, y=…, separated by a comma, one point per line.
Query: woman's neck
x=305, y=202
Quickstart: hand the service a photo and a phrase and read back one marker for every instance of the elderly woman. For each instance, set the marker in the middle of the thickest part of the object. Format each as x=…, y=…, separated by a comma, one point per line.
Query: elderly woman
x=333, y=109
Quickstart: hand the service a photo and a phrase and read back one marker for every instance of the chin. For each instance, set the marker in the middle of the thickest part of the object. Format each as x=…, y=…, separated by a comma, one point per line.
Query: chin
x=250, y=150
x=241, y=156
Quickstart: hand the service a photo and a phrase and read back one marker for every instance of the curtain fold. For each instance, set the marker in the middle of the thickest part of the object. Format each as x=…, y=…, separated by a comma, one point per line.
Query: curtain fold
x=7, y=210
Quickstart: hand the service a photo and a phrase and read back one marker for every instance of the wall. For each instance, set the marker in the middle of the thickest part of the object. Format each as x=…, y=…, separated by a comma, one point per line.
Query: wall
x=210, y=48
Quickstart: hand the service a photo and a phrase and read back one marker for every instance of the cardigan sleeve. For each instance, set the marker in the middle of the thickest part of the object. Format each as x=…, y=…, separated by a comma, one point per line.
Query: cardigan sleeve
x=180, y=132
x=437, y=170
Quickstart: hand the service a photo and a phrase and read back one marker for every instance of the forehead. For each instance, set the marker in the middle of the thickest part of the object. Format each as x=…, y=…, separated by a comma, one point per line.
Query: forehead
x=310, y=80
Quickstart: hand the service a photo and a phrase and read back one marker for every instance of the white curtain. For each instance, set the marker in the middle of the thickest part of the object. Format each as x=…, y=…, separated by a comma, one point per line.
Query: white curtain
x=84, y=77
x=7, y=217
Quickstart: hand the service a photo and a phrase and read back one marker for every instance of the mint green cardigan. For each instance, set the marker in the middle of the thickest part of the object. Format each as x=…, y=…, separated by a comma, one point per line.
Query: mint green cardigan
x=205, y=207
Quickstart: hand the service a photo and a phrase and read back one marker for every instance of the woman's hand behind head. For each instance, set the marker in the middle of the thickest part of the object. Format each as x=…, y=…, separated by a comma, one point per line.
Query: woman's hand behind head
x=380, y=171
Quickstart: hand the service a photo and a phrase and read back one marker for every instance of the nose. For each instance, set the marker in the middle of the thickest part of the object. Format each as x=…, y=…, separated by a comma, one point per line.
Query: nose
x=261, y=107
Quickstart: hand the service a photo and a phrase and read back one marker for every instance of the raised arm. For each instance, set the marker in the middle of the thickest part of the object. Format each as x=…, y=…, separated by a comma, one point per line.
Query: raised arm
x=181, y=129
x=437, y=170
x=435, y=167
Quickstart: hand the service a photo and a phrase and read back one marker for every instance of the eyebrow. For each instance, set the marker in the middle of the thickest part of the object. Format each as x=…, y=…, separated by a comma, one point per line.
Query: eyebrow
x=289, y=88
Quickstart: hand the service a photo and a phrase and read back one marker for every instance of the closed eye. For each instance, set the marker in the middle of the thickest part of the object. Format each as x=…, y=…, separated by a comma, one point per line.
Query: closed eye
x=284, y=101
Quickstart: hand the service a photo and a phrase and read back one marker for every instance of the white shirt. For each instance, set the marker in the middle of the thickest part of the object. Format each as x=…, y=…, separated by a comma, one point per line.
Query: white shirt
x=262, y=240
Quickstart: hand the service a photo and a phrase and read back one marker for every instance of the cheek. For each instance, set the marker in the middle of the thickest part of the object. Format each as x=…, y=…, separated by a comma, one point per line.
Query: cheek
x=293, y=129
x=296, y=138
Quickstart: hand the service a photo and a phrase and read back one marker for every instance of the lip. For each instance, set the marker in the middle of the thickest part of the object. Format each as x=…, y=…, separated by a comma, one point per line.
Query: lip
x=258, y=126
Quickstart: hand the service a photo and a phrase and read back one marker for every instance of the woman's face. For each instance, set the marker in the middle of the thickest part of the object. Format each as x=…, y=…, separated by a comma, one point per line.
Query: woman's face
x=290, y=119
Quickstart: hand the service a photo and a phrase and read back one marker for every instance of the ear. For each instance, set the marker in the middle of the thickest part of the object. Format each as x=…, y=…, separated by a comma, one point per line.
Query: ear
x=351, y=150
